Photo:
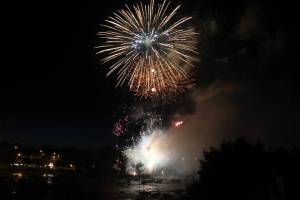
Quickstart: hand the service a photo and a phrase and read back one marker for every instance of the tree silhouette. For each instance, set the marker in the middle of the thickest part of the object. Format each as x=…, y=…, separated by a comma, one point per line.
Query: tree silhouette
x=80, y=158
x=238, y=170
x=107, y=159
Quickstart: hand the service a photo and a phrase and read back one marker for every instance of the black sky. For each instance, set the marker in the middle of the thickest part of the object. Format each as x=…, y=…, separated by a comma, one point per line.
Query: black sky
x=55, y=92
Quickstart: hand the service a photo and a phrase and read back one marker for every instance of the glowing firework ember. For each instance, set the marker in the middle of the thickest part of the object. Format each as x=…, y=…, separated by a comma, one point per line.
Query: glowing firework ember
x=149, y=50
x=120, y=127
x=177, y=123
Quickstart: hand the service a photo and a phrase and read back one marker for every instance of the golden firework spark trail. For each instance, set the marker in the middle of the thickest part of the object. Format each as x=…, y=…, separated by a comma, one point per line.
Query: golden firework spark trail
x=149, y=50
x=152, y=89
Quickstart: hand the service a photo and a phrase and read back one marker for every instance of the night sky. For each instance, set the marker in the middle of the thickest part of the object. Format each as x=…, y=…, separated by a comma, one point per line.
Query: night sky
x=54, y=91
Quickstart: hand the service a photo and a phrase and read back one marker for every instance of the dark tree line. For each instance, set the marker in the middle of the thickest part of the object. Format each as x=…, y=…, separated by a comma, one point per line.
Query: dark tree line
x=7, y=153
x=110, y=161
x=242, y=170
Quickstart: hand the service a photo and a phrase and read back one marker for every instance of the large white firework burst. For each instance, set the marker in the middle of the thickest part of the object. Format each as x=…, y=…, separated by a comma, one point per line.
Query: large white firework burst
x=147, y=48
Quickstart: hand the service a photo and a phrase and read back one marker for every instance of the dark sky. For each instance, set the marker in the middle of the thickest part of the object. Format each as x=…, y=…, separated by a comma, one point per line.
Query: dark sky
x=55, y=92
x=53, y=89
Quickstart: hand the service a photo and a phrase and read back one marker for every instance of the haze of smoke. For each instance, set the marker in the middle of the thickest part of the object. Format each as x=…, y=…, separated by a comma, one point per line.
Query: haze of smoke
x=226, y=111
x=222, y=111
x=214, y=117
x=181, y=147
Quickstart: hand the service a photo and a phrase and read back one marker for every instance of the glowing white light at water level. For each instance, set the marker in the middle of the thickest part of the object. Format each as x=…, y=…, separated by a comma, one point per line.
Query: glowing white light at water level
x=148, y=152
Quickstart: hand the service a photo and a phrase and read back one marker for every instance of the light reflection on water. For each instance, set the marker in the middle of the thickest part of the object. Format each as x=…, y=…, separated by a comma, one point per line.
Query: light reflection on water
x=26, y=185
x=48, y=178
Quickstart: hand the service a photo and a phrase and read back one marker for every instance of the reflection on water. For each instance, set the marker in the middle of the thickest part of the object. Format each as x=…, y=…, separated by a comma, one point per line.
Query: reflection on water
x=22, y=185
x=52, y=186
x=48, y=178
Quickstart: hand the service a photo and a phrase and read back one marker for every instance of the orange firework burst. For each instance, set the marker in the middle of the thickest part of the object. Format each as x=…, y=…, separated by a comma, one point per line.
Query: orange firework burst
x=168, y=89
x=148, y=49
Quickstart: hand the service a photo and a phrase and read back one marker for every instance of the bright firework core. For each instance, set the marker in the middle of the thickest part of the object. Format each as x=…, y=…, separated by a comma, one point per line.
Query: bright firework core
x=144, y=41
x=157, y=151
x=148, y=42
x=148, y=152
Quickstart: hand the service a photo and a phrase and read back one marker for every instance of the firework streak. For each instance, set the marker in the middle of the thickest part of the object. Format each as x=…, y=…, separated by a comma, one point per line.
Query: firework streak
x=149, y=50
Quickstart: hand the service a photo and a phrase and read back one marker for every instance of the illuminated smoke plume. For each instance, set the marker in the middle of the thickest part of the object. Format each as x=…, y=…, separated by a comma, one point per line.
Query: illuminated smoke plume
x=220, y=113
x=181, y=145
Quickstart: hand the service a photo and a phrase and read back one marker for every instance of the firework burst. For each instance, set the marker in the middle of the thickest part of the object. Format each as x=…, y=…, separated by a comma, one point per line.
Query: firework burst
x=151, y=89
x=147, y=48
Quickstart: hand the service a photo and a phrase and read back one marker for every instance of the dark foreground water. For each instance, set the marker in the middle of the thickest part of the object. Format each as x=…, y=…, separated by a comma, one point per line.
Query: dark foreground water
x=70, y=186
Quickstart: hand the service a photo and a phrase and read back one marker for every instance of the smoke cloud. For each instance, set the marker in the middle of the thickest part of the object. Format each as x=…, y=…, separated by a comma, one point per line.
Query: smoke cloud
x=223, y=111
